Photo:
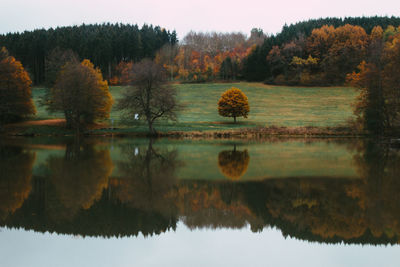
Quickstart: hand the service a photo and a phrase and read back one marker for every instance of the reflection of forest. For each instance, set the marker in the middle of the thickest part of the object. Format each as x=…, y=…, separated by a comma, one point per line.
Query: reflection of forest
x=78, y=196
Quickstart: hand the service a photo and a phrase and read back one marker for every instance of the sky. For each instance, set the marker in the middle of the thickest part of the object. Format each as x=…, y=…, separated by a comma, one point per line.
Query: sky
x=184, y=15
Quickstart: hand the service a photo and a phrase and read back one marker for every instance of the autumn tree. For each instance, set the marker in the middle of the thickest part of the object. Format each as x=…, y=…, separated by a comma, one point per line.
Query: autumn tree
x=15, y=89
x=81, y=94
x=149, y=96
x=233, y=103
x=378, y=105
x=122, y=74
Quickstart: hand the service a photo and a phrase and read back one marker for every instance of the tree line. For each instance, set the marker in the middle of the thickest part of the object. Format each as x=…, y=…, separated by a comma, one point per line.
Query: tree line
x=103, y=44
x=272, y=61
x=201, y=56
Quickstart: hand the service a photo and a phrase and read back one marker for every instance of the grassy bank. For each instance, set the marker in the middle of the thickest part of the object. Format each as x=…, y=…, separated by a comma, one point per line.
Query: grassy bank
x=273, y=110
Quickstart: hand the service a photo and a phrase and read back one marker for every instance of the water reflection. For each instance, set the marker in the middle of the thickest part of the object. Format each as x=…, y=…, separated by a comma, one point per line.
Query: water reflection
x=147, y=176
x=80, y=176
x=136, y=188
x=233, y=164
x=15, y=177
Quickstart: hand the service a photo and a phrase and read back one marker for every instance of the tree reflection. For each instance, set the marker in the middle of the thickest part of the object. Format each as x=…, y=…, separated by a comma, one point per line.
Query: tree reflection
x=379, y=165
x=364, y=210
x=146, y=197
x=233, y=164
x=80, y=177
x=15, y=177
x=148, y=176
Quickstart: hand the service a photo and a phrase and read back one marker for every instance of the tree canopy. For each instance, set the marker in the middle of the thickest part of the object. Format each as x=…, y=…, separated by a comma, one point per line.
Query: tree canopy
x=233, y=103
x=378, y=105
x=149, y=96
x=81, y=94
x=339, y=44
x=15, y=89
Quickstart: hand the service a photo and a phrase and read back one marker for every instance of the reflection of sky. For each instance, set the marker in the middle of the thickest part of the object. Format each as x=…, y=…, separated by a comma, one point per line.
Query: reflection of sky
x=225, y=247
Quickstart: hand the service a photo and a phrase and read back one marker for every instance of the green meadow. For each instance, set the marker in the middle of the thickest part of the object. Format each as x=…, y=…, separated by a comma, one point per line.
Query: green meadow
x=269, y=105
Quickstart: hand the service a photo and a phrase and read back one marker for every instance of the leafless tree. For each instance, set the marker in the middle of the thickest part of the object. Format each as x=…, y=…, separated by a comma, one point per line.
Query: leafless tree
x=150, y=96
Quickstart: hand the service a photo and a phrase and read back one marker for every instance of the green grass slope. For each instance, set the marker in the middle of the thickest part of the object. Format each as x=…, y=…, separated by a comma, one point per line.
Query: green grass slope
x=269, y=105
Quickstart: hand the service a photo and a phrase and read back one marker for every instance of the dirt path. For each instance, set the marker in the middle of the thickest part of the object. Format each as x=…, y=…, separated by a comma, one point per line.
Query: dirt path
x=51, y=122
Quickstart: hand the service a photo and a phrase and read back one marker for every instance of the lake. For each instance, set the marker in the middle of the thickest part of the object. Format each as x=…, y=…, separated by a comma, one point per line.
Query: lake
x=206, y=202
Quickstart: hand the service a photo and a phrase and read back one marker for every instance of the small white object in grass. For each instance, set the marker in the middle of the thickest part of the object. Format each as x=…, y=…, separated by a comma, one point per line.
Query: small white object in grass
x=136, y=116
x=136, y=151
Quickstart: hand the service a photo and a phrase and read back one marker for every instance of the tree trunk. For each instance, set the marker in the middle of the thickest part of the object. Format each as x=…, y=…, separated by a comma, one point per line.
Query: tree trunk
x=68, y=120
x=152, y=131
x=234, y=119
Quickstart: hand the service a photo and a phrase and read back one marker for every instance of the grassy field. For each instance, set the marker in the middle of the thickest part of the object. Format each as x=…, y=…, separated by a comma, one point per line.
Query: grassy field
x=269, y=105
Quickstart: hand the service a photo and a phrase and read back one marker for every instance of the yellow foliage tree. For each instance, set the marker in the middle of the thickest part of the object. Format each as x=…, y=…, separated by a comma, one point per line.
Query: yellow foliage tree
x=233, y=103
x=81, y=94
x=15, y=89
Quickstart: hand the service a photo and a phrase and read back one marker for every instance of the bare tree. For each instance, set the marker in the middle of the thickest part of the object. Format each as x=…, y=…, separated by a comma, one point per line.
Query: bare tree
x=150, y=96
x=213, y=42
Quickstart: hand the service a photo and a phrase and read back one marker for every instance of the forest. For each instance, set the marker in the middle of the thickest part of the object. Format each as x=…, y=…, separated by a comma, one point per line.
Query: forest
x=313, y=52
x=104, y=44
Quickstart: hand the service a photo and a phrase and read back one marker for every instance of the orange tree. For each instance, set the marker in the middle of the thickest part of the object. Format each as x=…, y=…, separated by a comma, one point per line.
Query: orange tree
x=81, y=94
x=233, y=103
x=15, y=89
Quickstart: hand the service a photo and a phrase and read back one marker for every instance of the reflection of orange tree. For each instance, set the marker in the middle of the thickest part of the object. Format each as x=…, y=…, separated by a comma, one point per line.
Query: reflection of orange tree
x=81, y=176
x=15, y=178
x=233, y=164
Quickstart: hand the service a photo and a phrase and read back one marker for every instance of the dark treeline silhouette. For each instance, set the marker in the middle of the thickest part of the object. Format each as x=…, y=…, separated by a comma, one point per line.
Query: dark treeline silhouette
x=258, y=67
x=104, y=44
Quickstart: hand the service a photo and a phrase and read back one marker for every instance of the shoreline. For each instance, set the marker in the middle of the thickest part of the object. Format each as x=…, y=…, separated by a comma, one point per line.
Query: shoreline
x=256, y=132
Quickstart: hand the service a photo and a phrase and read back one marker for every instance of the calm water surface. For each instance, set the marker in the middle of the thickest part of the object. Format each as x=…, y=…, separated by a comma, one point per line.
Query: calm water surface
x=168, y=202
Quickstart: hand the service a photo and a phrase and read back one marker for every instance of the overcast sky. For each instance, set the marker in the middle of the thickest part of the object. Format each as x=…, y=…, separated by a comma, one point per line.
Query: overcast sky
x=184, y=15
